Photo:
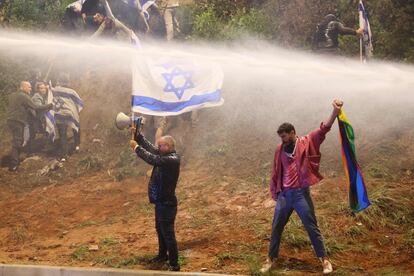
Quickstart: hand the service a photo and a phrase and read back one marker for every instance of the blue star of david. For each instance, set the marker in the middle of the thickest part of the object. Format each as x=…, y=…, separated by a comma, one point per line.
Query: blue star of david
x=58, y=103
x=178, y=91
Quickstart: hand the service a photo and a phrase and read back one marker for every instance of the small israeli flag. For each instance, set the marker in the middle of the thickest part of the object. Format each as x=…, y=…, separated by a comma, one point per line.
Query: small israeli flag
x=366, y=39
x=172, y=86
x=67, y=104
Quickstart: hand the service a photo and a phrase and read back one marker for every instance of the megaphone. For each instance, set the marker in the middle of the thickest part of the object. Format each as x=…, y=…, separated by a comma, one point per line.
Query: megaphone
x=122, y=121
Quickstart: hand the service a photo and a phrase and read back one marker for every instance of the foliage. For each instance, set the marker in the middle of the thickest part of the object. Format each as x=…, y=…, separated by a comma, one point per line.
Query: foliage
x=289, y=22
x=292, y=23
x=34, y=14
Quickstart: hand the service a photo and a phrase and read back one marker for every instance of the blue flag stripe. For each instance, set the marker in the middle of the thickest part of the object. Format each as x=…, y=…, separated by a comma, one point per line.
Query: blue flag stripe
x=67, y=119
x=75, y=99
x=156, y=105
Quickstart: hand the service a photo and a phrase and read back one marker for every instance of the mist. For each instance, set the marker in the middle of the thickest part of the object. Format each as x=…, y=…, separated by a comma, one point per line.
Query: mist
x=264, y=85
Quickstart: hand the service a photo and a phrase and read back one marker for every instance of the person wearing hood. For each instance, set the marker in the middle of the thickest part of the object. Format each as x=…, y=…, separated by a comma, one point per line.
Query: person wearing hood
x=325, y=39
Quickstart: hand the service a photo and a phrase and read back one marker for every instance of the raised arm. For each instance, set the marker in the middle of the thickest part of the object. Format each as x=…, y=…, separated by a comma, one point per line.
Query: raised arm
x=99, y=31
x=337, y=105
x=318, y=135
x=141, y=140
x=30, y=104
x=348, y=31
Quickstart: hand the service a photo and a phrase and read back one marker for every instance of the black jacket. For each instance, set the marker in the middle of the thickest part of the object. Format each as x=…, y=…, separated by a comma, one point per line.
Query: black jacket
x=326, y=36
x=164, y=177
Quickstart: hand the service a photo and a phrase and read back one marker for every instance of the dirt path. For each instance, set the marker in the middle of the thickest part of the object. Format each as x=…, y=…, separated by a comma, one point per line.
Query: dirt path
x=221, y=226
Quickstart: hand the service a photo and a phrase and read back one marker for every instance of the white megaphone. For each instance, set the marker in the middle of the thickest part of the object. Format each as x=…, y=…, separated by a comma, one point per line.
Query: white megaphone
x=122, y=121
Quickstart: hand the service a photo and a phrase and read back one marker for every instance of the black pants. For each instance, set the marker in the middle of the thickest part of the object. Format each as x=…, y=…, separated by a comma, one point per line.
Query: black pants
x=63, y=149
x=16, y=129
x=164, y=223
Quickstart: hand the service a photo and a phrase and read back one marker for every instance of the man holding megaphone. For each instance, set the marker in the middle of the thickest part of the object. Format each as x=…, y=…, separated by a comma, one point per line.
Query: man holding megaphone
x=161, y=190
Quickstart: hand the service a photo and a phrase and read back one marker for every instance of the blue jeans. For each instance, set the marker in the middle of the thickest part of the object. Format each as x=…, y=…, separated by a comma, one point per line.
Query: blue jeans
x=300, y=201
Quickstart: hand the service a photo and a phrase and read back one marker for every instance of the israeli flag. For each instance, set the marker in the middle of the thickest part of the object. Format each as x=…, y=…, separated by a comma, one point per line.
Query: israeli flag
x=366, y=40
x=170, y=86
x=67, y=104
x=50, y=117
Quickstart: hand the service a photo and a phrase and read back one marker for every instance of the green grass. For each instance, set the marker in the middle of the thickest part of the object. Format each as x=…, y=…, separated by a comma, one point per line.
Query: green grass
x=354, y=232
x=252, y=260
x=390, y=272
x=218, y=150
x=200, y=218
x=87, y=223
x=108, y=261
x=146, y=208
x=144, y=259
x=294, y=234
x=333, y=246
x=19, y=234
x=91, y=163
x=110, y=241
x=133, y=260
x=80, y=253
x=389, y=207
x=408, y=243
x=182, y=260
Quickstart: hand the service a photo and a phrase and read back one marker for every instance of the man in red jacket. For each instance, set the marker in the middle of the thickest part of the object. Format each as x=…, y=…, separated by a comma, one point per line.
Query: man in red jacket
x=295, y=168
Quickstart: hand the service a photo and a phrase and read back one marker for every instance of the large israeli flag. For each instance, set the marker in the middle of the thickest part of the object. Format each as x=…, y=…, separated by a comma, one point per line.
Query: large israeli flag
x=366, y=39
x=172, y=86
x=50, y=117
x=67, y=104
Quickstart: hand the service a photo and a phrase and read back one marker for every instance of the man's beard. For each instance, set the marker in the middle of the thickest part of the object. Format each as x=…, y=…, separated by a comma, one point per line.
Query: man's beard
x=289, y=146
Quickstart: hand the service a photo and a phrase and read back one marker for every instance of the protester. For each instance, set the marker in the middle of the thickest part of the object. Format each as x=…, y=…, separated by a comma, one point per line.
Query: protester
x=72, y=19
x=67, y=108
x=19, y=108
x=37, y=118
x=110, y=27
x=35, y=77
x=295, y=168
x=327, y=32
x=161, y=192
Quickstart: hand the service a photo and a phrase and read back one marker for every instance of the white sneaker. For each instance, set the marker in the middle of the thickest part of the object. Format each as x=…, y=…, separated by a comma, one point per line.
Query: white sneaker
x=327, y=267
x=268, y=266
x=77, y=149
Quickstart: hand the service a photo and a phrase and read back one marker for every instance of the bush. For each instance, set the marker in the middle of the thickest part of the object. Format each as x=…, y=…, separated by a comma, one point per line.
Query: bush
x=35, y=14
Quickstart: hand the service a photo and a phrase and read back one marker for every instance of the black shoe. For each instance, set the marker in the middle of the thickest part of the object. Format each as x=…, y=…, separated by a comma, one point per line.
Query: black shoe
x=158, y=259
x=174, y=268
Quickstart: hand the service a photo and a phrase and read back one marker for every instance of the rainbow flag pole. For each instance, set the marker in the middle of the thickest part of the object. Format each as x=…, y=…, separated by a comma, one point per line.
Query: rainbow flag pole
x=358, y=197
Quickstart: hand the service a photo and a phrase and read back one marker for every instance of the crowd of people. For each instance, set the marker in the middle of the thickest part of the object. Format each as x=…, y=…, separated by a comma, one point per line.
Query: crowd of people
x=30, y=107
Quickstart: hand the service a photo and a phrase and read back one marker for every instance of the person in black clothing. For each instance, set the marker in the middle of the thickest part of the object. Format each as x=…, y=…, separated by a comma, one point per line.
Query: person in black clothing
x=20, y=106
x=327, y=32
x=161, y=192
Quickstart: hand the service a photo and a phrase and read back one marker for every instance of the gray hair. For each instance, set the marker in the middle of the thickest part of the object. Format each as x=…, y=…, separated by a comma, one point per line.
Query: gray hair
x=170, y=140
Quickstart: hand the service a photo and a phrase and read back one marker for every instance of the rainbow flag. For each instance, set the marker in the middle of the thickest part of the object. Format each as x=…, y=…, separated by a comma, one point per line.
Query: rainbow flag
x=358, y=197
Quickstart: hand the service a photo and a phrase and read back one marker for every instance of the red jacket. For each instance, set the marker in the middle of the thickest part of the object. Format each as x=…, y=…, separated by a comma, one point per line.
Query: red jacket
x=307, y=157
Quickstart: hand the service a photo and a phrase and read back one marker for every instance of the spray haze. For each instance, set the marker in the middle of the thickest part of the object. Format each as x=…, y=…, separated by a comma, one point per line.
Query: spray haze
x=264, y=85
